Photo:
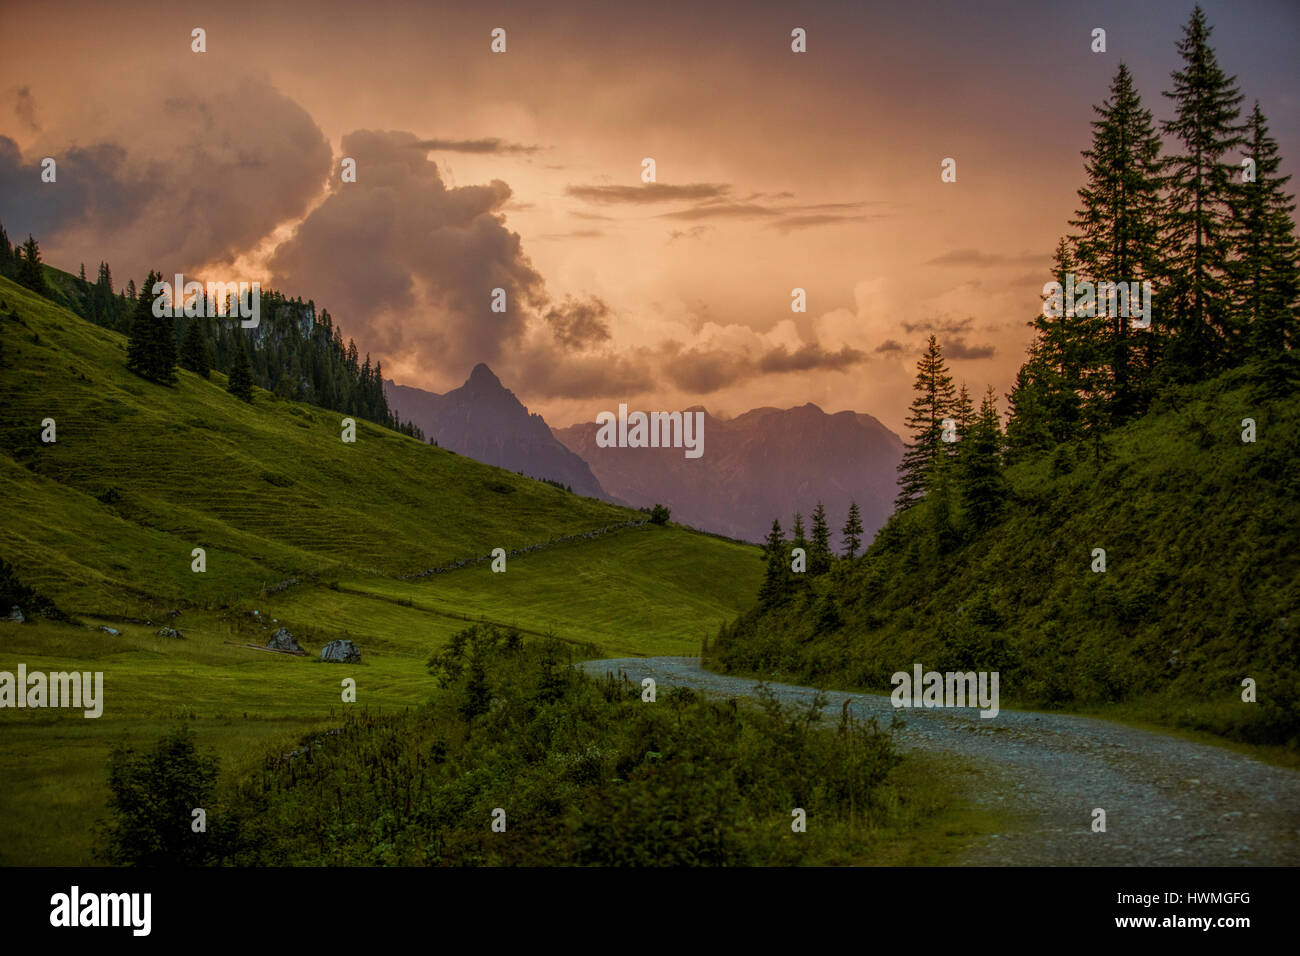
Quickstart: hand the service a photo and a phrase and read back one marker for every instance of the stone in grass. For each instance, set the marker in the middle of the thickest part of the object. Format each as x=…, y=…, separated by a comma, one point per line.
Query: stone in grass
x=109, y=630
x=340, y=652
x=16, y=615
x=282, y=640
x=170, y=632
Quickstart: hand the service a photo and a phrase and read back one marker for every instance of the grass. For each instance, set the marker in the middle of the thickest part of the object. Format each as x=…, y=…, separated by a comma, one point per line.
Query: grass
x=104, y=520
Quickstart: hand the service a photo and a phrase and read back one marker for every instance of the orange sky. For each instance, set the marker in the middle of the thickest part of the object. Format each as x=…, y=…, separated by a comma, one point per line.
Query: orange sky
x=775, y=170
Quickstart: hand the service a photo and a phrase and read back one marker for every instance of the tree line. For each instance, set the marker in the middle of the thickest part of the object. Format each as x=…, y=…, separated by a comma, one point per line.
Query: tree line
x=295, y=351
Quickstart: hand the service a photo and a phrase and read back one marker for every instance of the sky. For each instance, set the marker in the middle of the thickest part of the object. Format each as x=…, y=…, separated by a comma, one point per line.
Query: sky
x=522, y=170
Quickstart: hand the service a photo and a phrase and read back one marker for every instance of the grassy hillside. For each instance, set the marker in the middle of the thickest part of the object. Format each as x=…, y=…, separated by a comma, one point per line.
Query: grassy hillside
x=308, y=531
x=1201, y=589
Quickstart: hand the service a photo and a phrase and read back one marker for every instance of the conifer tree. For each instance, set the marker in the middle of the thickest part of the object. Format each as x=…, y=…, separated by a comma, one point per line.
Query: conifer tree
x=1119, y=222
x=983, y=489
x=163, y=341
x=1198, y=228
x=820, y=557
x=852, y=533
x=240, y=378
x=797, y=538
x=194, y=349
x=141, y=338
x=1264, y=274
x=776, y=578
x=30, y=273
x=933, y=403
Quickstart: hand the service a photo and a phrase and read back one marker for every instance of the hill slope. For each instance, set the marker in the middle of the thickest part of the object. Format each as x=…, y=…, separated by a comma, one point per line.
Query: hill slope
x=1201, y=587
x=300, y=530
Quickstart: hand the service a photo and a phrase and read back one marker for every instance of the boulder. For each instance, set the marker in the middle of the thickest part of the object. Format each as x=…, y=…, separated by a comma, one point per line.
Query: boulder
x=340, y=652
x=109, y=630
x=282, y=640
x=170, y=632
x=16, y=614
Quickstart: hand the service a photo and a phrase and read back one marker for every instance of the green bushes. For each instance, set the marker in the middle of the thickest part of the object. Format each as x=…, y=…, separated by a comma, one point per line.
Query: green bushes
x=585, y=771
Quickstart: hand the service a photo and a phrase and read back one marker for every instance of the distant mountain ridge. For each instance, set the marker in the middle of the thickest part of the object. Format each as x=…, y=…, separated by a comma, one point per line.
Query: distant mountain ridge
x=765, y=463
x=483, y=420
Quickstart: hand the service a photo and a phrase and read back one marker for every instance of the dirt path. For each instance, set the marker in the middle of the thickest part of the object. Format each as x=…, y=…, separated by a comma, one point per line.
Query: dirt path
x=1168, y=801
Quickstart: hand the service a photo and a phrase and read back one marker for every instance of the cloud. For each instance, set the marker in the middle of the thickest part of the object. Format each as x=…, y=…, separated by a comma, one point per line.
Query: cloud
x=25, y=108
x=729, y=210
x=409, y=262
x=809, y=357
x=575, y=234
x=890, y=345
x=648, y=193
x=192, y=178
x=792, y=223
x=491, y=145
x=974, y=257
x=579, y=323
x=957, y=348
x=695, y=232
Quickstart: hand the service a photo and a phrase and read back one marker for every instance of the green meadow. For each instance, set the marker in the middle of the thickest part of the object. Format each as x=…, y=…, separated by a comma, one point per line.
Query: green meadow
x=103, y=522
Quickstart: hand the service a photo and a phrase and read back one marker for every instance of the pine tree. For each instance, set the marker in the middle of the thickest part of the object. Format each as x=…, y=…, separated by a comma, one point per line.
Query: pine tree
x=6, y=254
x=776, y=579
x=983, y=489
x=852, y=533
x=933, y=403
x=240, y=378
x=30, y=273
x=194, y=349
x=797, y=538
x=163, y=342
x=963, y=411
x=1265, y=279
x=1198, y=228
x=820, y=557
x=1119, y=222
x=141, y=340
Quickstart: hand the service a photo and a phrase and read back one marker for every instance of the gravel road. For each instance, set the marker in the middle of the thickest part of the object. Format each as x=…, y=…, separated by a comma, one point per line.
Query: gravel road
x=1168, y=801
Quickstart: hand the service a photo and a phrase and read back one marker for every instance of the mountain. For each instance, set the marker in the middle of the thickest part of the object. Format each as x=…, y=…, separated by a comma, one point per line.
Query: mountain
x=483, y=420
x=764, y=464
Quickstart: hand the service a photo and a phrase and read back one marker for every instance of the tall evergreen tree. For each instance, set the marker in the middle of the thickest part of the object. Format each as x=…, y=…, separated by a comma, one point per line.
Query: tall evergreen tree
x=797, y=537
x=963, y=411
x=1198, y=227
x=240, y=378
x=1264, y=273
x=820, y=557
x=983, y=489
x=141, y=355
x=852, y=533
x=933, y=402
x=30, y=273
x=194, y=349
x=1119, y=222
x=776, y=578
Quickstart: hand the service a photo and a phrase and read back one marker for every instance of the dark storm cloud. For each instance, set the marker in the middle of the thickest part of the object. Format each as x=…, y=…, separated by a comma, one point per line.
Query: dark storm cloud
x=25, y=108
x=410, y=262
x=193, y=179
